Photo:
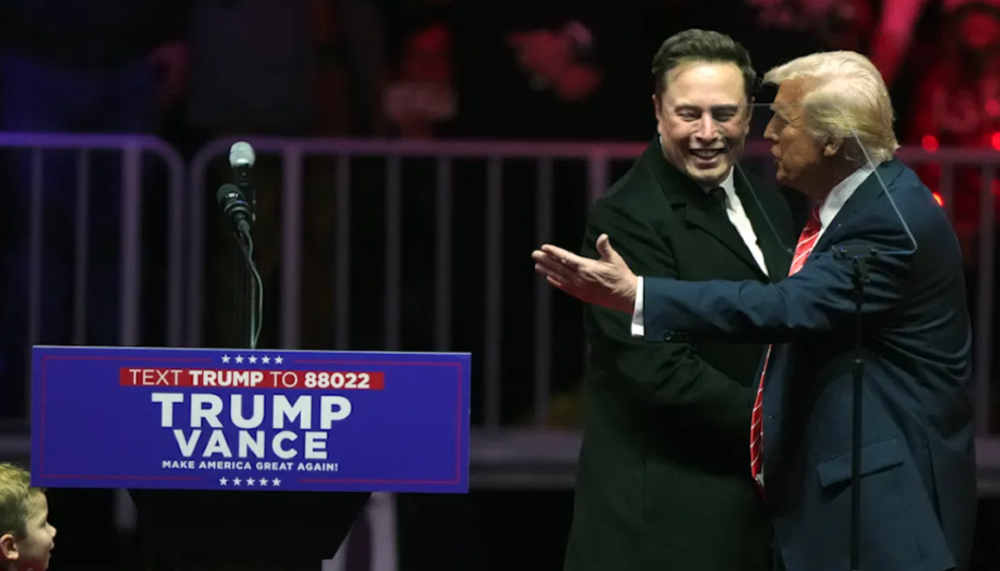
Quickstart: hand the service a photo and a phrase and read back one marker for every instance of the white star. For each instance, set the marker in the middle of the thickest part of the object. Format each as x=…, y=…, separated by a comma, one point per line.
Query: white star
x=236, y=481
x=250, y=481
x=276, y=482
x=239, y=358
x=252, y=359
x=278, y=360
x=263, y=481
x=225, y=358
x=265, y=359
x=222, y=481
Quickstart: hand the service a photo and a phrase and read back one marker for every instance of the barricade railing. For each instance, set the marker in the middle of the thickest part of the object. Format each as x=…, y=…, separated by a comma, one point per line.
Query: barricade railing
x=597, y=159
x=552, y=198
x=129, y=195
x=130, y=152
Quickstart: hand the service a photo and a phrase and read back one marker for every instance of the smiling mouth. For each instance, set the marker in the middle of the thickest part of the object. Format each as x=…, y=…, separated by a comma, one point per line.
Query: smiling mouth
x=707, y=154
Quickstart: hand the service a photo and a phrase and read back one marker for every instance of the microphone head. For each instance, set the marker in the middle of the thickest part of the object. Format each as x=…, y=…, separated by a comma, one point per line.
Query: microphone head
x=226, y=193
x=241, y=154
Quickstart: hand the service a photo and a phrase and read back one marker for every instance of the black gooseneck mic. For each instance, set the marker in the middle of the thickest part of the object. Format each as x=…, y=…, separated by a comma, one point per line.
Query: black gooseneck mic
x=235, y=206
x=238, y=203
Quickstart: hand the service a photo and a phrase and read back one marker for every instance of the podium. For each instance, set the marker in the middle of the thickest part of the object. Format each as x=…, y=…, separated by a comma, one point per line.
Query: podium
x=248, y=459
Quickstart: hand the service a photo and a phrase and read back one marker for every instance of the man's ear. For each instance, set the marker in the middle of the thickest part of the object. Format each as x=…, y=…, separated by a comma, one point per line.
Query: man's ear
x=8, y=547
x=832, y=147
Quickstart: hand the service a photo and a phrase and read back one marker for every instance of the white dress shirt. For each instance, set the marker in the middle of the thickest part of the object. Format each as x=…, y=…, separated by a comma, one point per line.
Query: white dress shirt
x=832, y=204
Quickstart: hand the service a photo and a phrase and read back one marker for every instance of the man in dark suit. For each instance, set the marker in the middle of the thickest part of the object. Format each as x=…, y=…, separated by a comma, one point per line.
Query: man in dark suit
x=663, y=481
x=834, y=142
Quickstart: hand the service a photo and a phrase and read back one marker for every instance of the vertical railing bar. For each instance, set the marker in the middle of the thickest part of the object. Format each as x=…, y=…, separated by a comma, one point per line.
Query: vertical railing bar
x=597, y=176
x=543, y=296
x=131, y=246
x=197, y=246
x=983, y=338
x=291, y=246
x=442, y=256
x=492, y=363
x=175, y=254
x=35, y=244
x=131, y=285
x=393, y=238
x=80, y=248
x=343, y=253
x=598, y=167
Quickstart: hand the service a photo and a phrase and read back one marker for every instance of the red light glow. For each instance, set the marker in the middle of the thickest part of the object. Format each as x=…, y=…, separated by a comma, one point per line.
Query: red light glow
x=930, y=143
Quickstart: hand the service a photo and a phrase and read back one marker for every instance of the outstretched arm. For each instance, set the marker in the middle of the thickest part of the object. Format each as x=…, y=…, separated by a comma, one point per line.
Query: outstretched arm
x=817, y=298
x=820, y=297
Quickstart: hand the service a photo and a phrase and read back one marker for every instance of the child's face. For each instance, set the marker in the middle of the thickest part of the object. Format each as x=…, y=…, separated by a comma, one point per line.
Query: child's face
x=35, y=548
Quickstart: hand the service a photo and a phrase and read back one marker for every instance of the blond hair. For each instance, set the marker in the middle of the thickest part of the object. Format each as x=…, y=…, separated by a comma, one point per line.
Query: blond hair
x=849, y=100
x=16, y=499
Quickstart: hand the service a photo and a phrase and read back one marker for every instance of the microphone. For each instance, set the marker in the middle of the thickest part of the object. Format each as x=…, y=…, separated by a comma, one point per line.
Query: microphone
x=234, y=205
x=241, y=160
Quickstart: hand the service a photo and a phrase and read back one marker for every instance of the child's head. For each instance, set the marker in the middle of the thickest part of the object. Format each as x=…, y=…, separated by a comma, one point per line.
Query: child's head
x=26, y=538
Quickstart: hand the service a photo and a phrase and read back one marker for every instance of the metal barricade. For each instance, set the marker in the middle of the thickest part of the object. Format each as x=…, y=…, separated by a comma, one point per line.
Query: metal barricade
x=527, y=453
x=294, y=151
x=130, y=150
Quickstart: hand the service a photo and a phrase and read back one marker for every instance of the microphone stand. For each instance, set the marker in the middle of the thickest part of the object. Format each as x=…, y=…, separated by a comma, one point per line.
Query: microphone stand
x=246, y=307
x=246, y=289
x=859, y=256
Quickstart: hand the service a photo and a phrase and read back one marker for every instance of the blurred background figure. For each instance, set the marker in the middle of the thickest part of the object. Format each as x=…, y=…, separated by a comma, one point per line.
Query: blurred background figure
x=420, y=101
x=282, y=68
x=958, y=105
x=101, y=66
x=108, y=66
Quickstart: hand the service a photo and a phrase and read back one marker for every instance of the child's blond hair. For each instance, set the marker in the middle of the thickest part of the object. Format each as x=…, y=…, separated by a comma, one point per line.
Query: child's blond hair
x=16, y=497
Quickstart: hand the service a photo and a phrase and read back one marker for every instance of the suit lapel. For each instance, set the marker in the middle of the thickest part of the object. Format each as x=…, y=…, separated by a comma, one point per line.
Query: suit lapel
x=777, y=255
x=869, y=191
x=699, y=209
x=708, y=215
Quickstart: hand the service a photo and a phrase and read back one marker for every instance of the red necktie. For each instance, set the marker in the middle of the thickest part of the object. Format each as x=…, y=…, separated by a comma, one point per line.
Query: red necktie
x=805, y=246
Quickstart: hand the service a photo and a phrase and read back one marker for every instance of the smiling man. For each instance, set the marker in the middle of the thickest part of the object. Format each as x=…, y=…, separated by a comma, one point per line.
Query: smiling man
x=663, y=480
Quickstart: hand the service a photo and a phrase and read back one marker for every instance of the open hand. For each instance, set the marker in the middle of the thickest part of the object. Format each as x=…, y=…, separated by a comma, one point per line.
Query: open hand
x=607, y=282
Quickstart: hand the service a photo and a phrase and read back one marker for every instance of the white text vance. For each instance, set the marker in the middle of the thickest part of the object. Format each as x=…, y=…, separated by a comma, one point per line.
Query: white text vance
x=261, y=424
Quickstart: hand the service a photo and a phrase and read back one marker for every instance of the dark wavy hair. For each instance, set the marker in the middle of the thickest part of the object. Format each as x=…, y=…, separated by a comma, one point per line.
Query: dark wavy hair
x=702, y=46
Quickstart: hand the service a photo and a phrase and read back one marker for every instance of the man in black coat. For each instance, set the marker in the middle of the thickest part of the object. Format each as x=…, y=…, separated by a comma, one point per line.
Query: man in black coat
x=663, y=480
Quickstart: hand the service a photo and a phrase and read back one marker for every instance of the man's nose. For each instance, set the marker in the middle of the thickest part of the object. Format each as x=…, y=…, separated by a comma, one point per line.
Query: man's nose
x=770, y=133
x=707, y=130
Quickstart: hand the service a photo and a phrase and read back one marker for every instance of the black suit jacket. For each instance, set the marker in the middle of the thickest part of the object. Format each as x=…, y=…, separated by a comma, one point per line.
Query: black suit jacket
x=664, y=479
x=918, y=463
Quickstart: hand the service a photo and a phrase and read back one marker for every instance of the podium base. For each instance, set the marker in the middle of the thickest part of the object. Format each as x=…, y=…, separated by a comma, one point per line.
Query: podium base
x=244, y=531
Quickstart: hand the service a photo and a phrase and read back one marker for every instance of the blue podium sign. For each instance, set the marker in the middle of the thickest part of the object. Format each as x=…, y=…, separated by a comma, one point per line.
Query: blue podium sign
x=230, y=419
